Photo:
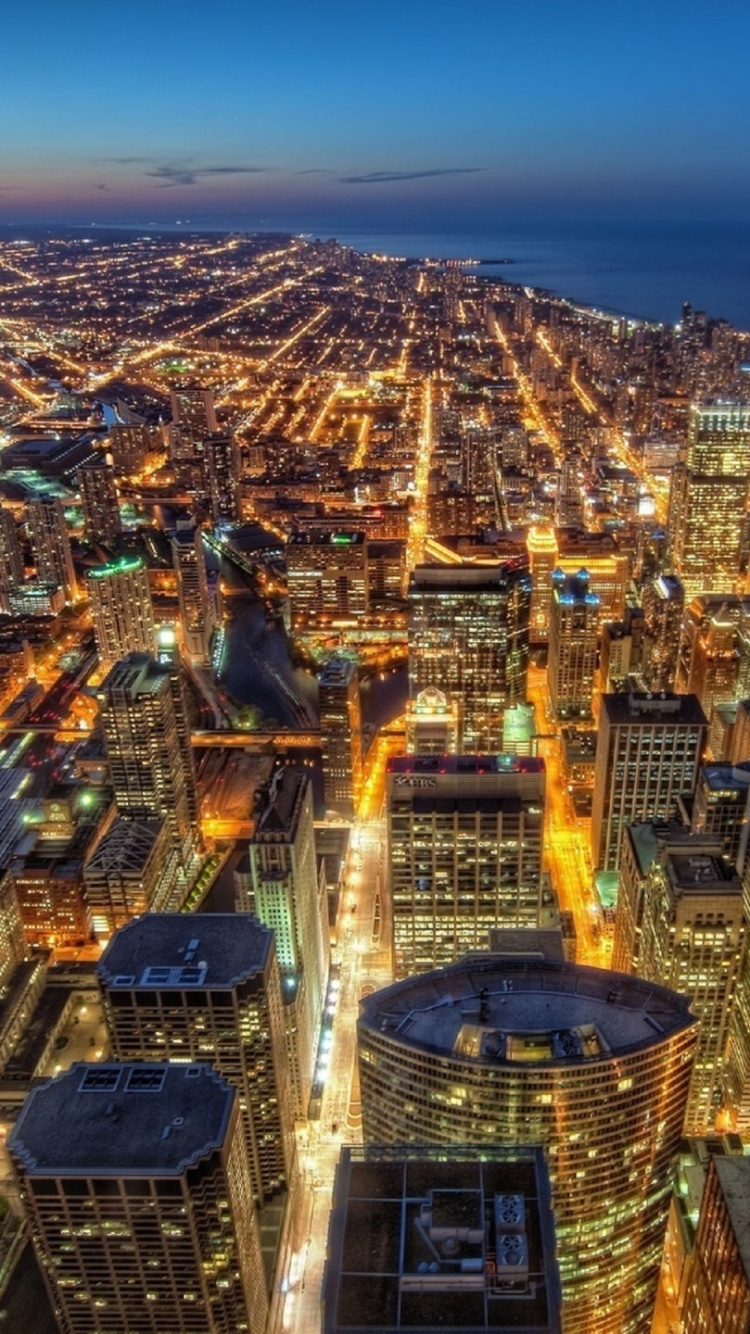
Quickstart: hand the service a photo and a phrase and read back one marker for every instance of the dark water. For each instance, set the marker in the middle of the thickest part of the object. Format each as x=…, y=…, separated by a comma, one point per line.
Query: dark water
x=641, y=269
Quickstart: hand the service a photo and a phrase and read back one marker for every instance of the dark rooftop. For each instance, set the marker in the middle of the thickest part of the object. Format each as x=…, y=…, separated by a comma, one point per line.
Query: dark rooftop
x=644, y=707
x=422, y=1238
x=122, y=1120
x=178, y=951
x=475, y=1010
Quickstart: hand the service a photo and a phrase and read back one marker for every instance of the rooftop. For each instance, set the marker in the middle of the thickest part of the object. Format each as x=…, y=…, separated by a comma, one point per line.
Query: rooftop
x=465, y=764
x=212, y=951
x=422, y=1238
x=642, y=706
x=726, y=777
x=485, y=1008
x=122, y=1120
x=127, y=847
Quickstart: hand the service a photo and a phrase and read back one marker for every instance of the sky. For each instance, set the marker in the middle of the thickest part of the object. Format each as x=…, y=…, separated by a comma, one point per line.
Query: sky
x=300, y=113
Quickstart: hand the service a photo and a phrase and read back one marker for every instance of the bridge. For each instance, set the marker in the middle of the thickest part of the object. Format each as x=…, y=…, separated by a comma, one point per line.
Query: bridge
x=259, y=741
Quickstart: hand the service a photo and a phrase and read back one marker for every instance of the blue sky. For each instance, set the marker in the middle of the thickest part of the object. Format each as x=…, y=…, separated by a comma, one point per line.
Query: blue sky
x=296, y=113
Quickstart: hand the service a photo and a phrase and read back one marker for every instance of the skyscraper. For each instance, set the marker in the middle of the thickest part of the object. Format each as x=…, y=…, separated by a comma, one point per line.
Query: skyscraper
x=464, y=852
x=722, y=807
x=11, y=557
x=573, y=642
x=328, y=579
x=194, y=412
x=590, y=1064
x=136, y=1188
x=223, y=476
x=101, y=507
x=50, y=544
x=469, y=636
x=121, y=609
x=663, y=605
x=433, y=724
x=288, y=897
x=206, y=988
x=648, y=752
x=147, y=765
x=131, y=871
x=541, y=545
x=692, y=935
x=341, y=735
x=717, y=1298
x=708, y=498
x=196, y=611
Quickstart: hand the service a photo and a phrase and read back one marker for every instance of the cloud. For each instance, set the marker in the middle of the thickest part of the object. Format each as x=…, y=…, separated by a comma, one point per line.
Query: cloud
x=104, y=187
x=171, y=175
x=381, y=177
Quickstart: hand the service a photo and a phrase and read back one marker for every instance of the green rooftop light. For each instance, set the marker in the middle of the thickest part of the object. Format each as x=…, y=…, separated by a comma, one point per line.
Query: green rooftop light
x=121, y=566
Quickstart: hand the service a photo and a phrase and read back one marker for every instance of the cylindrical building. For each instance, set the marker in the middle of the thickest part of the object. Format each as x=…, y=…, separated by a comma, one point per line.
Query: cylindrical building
x=591, y=1064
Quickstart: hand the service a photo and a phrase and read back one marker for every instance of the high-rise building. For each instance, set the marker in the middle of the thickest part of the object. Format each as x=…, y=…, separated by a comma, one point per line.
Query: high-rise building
x=131, y=871
x=101, y=506
x=121, y=609
x=148, y=768
x=194, y=413
x=341, y=735
x=712, y=661
x=708, y=498
x=136, y=1188
x=328, y=579
x=541, y=545
x=643, y=841
x=433, y=724
x=50, y=544
x=464, y=852
x=468, y=1237
x=206, y=988
x=648, y=753
x=223, y=476
x=196, y=610
x=573, y=642
x=11, y=557
x=590, y=1064
x=469, y=637
x=569, y=505
x=717, y=1297
x=288, y=897
x=722, y=807
x=692, y=934
x=663, y=606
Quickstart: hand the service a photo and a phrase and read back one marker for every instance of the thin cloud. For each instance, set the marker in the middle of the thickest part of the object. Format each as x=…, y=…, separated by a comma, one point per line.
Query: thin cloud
x=170, y=175
x=381, y=177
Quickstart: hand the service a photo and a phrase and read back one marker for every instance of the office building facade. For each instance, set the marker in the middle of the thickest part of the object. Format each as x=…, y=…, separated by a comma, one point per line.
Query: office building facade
x=121, y=609
x=465, y=847
x=708, y=498
x=573, y=643
x=137, y=1193
x=469, y=637
x=328, y=578
x=648, y=753
x=341, y=735
x=196, y=609
x=101, y=506
x=186, y=988
x=50, y=544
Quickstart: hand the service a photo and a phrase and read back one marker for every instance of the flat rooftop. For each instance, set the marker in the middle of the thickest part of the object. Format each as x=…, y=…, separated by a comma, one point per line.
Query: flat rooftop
x=465, y=764
x=644, y=707
x=122, y=1120
x=430, y=1238
x=179, y=951
x=726, y=777
x=496, y=1009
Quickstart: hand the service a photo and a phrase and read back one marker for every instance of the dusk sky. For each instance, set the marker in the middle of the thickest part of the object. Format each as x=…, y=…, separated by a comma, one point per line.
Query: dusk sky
x=299, y=113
